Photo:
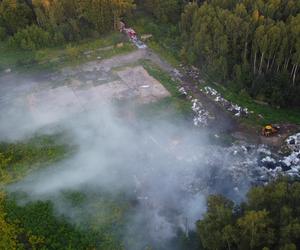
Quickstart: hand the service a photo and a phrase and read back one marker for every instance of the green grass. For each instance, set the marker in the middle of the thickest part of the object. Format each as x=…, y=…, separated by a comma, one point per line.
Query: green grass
x=68, y=54
x=20, y=158
x=174, y=106
x=263, y=114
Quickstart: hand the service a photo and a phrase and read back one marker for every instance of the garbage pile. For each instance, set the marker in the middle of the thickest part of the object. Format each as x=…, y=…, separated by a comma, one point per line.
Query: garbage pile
x=293, y=160
x=132, y=35
x=231, y=107
x=182, y=91
x=201, y=115
x=191, y=71
x=289, y=165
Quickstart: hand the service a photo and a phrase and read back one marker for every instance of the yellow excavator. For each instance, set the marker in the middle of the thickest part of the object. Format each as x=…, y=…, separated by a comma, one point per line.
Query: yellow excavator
x=269, y=130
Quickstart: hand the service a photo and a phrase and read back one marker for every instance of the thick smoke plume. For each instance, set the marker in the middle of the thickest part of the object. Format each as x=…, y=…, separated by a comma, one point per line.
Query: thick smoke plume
x=167, y=169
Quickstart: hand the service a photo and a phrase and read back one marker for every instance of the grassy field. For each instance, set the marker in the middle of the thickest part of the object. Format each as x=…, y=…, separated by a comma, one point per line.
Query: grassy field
x=69, y=54
x=176, y=106
x=18, y=159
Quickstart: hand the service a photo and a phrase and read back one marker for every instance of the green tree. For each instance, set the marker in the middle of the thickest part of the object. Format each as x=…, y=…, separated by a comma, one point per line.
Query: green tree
x=15, y=15
x=215, y=230
x=255, y=231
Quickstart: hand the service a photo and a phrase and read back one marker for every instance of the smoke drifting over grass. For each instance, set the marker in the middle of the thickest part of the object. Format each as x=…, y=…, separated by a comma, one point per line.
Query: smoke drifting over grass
x=164, y=170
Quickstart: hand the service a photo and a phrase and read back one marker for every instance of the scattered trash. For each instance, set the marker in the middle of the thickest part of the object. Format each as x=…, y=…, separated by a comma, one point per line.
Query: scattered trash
x=120, y=45
x=133, y=38
x=201, y=115
x=7, y=70
x=191, y=71
x=146, y=37
x=231, y=107
x=293, y=142
x=182, y=91
x=293, y=159
x=88, y=52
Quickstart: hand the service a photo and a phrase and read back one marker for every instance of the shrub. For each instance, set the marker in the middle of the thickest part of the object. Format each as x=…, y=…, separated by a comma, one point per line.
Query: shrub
x=30, y=38
x=2, y=34
x=72, y=52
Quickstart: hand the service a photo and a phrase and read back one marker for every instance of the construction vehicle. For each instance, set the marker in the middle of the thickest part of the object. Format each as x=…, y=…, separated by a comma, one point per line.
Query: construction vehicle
x=269, y=130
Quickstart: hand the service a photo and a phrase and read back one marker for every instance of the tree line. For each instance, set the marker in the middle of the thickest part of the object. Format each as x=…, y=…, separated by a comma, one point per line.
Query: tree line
x=253, y=44
x=268, y=219
x=33, y=24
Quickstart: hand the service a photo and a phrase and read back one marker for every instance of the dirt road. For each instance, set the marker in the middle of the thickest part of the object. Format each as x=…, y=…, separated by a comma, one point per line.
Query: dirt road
x=223, y=122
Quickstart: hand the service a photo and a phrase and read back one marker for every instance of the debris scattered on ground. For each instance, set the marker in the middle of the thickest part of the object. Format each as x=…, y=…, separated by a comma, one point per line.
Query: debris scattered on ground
x=7, y=70
x=88, y=52
x=138, y=43
x=191, y=71
x=278, y=165
x=177, y=74
x=134, y=38
x=293, y=159
x=235, y=109
x=293, y=142
x=201, y=115
x=120, y=45
x=146, y=37
x=182, y=91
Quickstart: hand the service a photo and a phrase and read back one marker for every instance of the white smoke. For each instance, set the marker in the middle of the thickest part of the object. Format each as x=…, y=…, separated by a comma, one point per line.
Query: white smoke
x=168, y=169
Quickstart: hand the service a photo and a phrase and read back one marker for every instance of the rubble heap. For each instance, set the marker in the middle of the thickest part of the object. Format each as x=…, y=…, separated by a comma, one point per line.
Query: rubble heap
x=235, y=109
x=201, y=115
x=293, y=160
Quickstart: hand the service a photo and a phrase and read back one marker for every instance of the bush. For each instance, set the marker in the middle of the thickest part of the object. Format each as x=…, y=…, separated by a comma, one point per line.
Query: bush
x=2, y=34
x=72, y=52
x=30, y=38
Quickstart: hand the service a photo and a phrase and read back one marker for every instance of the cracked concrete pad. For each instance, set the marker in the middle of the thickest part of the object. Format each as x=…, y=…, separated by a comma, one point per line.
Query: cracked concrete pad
x=53, y=104
x=148, y=89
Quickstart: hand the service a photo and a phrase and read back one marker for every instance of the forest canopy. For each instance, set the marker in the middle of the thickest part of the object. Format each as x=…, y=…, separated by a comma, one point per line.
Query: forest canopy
x=253, y=44
x=269, y=219
x=31, y=24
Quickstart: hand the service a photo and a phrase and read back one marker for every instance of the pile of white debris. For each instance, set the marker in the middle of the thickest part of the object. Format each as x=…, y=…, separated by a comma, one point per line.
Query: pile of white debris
x=231, y=107
x=182, y=91
x=288, y=165
x=293, y=160
x=201, y=115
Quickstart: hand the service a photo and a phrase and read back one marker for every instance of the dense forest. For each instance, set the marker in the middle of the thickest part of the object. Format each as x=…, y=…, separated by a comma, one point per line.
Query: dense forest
x=251, y=46
x=43, y=23
x=255, y=44
x=269, y=219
